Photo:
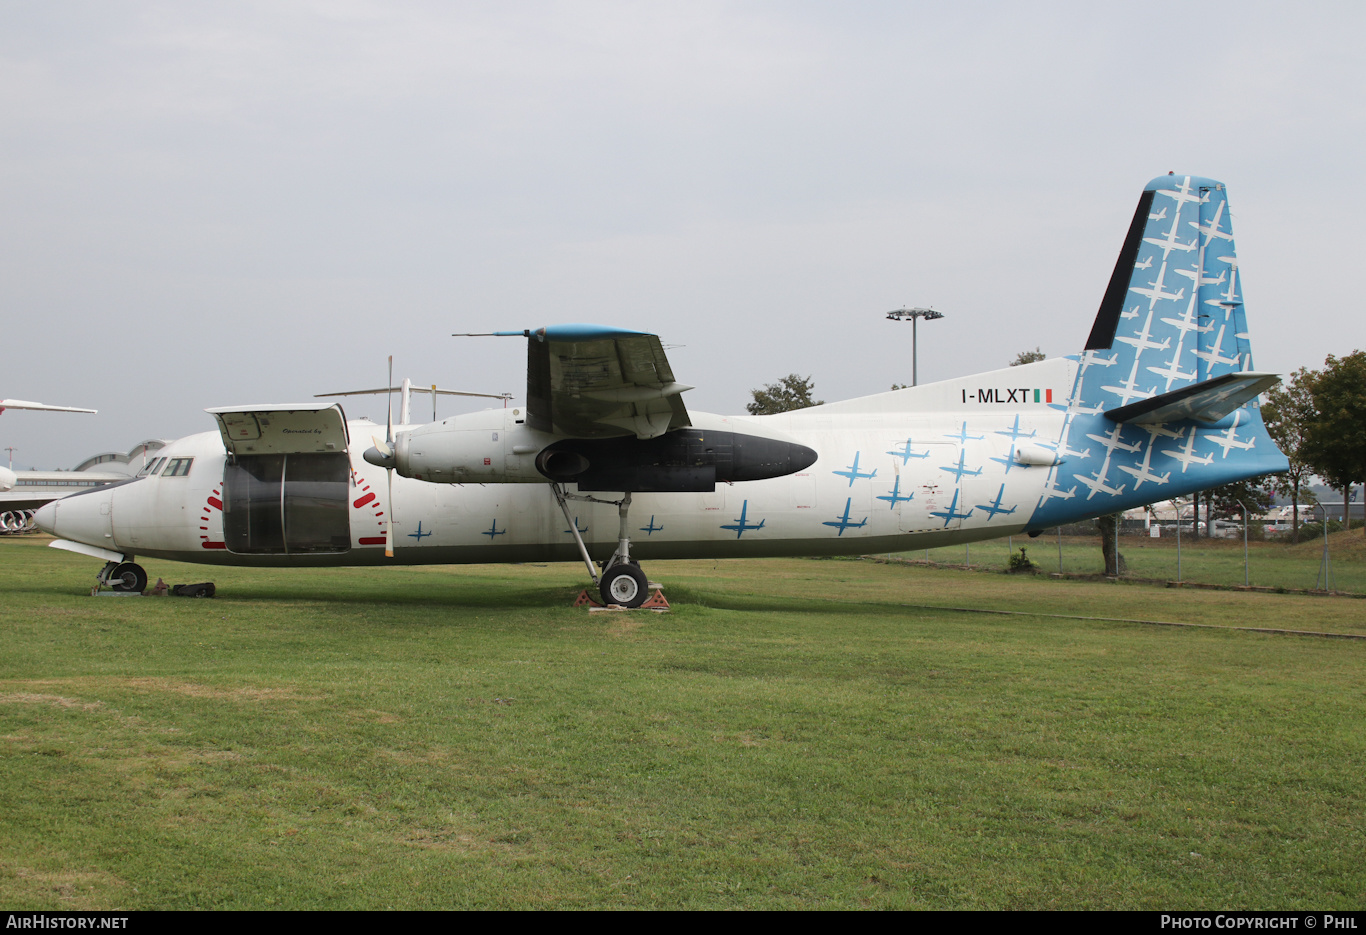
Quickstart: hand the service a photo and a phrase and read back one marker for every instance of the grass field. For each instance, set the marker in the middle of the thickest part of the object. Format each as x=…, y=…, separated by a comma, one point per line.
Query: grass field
x=795, y=734
x=1211, y=561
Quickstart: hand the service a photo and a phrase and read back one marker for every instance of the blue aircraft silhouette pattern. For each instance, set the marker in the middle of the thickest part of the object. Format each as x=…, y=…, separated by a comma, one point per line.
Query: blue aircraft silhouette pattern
x=739, y=526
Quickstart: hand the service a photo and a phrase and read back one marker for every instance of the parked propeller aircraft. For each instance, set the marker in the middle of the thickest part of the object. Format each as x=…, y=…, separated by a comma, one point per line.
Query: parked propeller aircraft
x=604, y=440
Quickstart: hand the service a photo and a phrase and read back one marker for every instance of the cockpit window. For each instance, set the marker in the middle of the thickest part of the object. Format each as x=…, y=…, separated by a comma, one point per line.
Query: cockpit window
x=177, y=467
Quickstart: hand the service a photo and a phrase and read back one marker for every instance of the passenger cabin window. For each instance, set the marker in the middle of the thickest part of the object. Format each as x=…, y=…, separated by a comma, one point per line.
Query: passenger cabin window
x=177, y=467
x=286, y=504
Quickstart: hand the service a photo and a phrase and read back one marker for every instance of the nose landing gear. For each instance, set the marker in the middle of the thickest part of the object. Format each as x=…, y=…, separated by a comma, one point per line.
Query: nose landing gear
x=124, y=576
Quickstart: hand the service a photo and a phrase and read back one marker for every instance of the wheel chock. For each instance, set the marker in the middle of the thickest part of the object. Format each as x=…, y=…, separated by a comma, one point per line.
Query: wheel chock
x=585, y=599
x=656, y=602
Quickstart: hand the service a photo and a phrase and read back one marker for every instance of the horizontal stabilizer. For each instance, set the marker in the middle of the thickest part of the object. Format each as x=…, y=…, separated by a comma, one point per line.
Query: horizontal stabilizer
x=1207, y=402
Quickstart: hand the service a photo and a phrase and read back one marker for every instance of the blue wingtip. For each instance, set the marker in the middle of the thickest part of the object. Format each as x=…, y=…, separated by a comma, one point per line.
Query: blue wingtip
x=583, y=332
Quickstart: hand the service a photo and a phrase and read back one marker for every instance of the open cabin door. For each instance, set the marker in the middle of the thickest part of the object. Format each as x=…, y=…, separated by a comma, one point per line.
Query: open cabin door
x=286, y=478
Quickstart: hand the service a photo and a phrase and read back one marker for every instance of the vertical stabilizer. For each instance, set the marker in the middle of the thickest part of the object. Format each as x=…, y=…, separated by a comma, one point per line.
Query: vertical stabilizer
x=1173, y=312
x=1162, y=403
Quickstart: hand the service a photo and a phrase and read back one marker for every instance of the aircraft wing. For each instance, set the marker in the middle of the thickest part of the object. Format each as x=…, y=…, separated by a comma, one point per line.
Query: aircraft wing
x=25, y=404
x=588, y=381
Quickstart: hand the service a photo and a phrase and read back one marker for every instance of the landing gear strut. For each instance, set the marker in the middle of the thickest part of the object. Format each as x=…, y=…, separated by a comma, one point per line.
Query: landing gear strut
x=622, y=582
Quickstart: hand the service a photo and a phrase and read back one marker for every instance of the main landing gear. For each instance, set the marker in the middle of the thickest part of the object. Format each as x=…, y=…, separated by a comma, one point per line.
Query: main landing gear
x=621, y=582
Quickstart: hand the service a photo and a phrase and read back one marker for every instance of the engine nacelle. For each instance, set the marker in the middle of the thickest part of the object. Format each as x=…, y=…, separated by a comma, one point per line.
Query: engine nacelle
x=496, y=446
x=490, y=447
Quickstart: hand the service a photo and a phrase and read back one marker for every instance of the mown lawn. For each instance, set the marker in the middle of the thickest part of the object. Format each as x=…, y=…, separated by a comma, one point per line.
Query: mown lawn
x=796, y=733
x=1210, y=561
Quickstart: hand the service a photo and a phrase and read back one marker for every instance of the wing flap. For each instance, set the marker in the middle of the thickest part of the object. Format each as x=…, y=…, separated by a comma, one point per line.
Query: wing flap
x=587, y=381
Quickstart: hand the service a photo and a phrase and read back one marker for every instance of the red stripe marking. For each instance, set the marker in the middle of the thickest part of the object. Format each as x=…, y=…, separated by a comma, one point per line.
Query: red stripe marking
x=203, y=527
x=1050, y=395
x=215, y=503
x=371, y=540
x=363, y=500
x=214, y=545
x=379, y=513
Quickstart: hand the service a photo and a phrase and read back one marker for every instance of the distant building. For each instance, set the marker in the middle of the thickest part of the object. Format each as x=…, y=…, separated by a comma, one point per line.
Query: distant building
x=32, y=489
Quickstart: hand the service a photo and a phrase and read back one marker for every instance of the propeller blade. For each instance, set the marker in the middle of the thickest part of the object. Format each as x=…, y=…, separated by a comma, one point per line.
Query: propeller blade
x=389, y=417
x=386, y=450
x=389, y=520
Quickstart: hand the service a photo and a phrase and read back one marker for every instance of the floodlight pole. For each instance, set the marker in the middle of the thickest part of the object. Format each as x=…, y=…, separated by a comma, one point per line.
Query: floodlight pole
x=914, y=315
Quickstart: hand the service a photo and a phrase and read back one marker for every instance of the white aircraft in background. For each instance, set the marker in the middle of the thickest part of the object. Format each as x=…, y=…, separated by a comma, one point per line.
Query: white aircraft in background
x=603, y=440
x=8, y=478
x=26, y=404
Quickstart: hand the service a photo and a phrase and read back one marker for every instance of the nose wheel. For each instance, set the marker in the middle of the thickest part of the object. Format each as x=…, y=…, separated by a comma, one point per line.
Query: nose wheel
x=125, y=576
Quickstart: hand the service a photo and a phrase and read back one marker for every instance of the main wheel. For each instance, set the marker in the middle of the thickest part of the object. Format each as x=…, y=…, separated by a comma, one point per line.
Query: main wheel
x=128, y=577
x=625, y=585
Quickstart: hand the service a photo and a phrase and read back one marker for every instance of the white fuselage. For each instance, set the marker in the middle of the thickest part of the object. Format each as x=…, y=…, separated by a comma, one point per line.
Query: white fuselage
x=917, y=468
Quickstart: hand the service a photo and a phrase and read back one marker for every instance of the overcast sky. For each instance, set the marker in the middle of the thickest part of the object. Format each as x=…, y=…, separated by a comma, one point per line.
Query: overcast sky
x=208, y=204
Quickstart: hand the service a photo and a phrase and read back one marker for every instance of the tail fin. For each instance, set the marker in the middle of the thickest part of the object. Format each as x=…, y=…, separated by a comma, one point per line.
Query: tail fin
x=1172, y=315
x=1162, y=402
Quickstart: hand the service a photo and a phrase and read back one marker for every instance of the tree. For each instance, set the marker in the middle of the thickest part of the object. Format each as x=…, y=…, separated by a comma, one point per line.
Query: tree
x=1028, y=357
x=1335, y=441
x=791, y=392
x=1288, y=412
x=1109, y=543
x=1256, y=495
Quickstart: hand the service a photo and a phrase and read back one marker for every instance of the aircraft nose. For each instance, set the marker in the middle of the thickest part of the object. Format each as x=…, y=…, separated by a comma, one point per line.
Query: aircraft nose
x=82, y=517
x=46, y=518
